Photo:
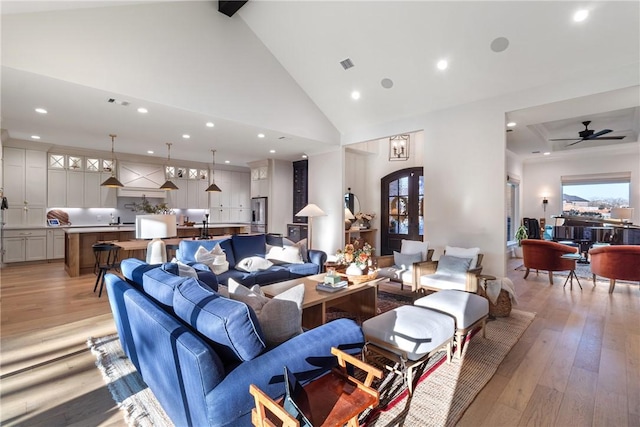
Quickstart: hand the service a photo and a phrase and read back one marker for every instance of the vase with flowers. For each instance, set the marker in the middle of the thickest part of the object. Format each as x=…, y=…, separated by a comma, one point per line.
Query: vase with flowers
x=363, y=219
x=358, y=259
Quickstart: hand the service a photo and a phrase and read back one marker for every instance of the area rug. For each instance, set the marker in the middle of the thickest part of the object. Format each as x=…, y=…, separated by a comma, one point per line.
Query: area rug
x=440, y=399
x=127, y=388
x=445, y=390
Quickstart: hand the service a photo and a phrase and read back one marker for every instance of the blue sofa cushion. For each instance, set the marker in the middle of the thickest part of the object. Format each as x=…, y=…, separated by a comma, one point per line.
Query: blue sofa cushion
x=159, y=285
x=302, y=270
x=133, y=269
x=229, y=326
x=245, y=246
x=227, y=247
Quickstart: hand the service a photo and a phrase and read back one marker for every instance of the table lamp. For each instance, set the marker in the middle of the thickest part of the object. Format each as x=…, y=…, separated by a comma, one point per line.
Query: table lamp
x=310, y=211
x=156, y=227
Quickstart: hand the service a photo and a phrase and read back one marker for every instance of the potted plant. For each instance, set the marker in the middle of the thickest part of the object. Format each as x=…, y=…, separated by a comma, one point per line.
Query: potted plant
x=521, y=234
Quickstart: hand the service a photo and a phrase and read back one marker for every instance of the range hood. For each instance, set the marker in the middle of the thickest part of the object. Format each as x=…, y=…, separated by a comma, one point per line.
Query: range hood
x=139, y=192
x=141, y=179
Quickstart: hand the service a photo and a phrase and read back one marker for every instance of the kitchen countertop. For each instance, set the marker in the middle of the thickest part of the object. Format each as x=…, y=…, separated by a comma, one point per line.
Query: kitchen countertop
x=105, y=227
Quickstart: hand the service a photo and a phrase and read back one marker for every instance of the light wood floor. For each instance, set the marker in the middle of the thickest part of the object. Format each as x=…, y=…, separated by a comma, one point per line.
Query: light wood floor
x=577, y=364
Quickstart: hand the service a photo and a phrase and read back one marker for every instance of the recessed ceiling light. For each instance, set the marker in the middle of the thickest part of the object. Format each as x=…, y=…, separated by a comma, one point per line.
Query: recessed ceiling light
x=142, y=110
x=186, y=136
x=41, y=111
x=272, y=151
x=35, y=137
x=499, y=44
x=304, y=156
x=546, y=153
x=355, y=95
x=386, y=83
x=442, y=64
x=210, y=124
x=227, y=161
x=149, y=151
x=580, y=15
x=511, y=124
x=261, y=135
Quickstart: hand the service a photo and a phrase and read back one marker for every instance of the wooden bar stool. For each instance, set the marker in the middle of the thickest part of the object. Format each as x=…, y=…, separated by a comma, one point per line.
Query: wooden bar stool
x=106, y=255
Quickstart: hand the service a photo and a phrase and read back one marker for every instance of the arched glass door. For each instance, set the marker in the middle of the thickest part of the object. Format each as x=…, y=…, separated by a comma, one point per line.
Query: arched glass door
x=402, y=208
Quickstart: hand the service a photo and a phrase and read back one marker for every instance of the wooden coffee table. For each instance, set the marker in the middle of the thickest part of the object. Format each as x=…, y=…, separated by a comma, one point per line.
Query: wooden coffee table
x=360, y=299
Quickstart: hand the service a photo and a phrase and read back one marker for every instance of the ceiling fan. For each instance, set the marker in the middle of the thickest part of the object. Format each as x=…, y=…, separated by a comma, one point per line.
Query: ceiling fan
x=588, y=135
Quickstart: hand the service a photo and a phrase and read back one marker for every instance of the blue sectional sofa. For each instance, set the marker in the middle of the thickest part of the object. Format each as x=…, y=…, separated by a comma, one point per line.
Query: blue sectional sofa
x=198, y=351
x=238, y=247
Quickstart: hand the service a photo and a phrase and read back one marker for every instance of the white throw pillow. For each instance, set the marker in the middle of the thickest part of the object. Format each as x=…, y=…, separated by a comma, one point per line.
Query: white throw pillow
x=285, y=255
x=413, y=246
x=223, y=290
x=301, y=245
x=464, y=253
x=253, y=263
x=185, y=270
x=280, y=317
x=215, y=259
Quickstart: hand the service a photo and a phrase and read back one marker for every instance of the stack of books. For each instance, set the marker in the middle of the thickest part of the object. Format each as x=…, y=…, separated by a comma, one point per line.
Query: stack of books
x=332, y=287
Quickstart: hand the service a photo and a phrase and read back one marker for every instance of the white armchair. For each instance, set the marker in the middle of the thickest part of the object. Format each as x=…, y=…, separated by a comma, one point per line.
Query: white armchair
x=457, y=269
x=400, y=266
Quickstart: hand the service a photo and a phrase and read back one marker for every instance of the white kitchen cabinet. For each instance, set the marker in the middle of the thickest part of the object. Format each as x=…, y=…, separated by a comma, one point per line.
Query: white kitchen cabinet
x=25, y=186
x=220, y=215
x=197, y=196
x=241, y=190
x=240, y=215
x=25, y=245
x=177, y=199
x=75, y=189
x=223, y=197
x=108, y=195
x=91, y=190
x=57, y=188
x=55, y=244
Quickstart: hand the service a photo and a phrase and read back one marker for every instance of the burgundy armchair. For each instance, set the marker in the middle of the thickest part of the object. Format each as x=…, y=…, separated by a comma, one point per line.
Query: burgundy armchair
x=615, y=262
x=546, y=255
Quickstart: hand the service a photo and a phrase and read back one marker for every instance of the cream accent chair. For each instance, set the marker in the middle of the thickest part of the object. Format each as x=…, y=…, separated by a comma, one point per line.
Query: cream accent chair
x=450, y=271
x=400, y=267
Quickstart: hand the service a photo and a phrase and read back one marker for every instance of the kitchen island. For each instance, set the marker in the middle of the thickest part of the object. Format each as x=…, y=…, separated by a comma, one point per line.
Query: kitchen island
x=79, y=241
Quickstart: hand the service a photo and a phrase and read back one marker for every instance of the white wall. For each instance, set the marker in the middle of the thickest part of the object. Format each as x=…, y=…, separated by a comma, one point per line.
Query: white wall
x=280, y=203
x=326, y=191
x=543, y=178
x=465, y=164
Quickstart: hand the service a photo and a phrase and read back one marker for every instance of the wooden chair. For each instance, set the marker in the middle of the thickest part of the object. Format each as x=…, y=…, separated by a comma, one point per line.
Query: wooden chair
x=336, y=398
x=395, y=274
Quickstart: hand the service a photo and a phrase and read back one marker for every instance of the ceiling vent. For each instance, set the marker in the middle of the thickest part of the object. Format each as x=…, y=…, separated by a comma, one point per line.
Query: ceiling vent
x=117, y=101
x=346, y=64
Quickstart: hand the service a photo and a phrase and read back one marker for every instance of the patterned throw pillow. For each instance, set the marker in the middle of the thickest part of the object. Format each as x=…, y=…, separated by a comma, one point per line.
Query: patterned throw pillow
x=280, y=317
x=215, y=259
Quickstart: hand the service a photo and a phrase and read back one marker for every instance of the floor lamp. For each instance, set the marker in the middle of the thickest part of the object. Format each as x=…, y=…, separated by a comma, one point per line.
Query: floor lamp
x=310, y=211
x=156, y=227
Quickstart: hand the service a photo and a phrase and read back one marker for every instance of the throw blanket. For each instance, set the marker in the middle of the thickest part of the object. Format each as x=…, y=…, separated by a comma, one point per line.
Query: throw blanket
x=495, y=286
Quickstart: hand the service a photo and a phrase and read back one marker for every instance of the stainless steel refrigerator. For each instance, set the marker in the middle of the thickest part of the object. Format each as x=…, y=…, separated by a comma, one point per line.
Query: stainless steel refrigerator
x=259, y=215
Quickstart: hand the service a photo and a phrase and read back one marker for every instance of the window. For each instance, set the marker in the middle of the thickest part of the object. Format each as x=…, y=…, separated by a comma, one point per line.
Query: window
x=594, y=195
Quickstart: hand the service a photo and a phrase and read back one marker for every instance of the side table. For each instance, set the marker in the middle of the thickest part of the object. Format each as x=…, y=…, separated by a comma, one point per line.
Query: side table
x=572, y=273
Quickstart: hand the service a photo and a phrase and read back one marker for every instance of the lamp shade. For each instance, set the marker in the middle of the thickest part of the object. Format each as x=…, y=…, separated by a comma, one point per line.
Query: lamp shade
x=348, y=214
x=156, y=226
x=213, y=187
x=112, y=182
x=168, y=185
x=311, y=210
x=622, y=213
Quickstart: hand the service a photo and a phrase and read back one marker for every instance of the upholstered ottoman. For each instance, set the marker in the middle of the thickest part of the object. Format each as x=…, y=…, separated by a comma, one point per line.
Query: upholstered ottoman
x=467, y=309
x=409, y=335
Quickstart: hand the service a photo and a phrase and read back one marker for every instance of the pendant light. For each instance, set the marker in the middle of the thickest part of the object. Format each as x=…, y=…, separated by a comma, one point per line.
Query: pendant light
x=168, y=185
x=112, y=181
x=213, y=187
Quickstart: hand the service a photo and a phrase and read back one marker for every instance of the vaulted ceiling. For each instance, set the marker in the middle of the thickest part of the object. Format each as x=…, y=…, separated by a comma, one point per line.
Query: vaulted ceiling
x=274, y=69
